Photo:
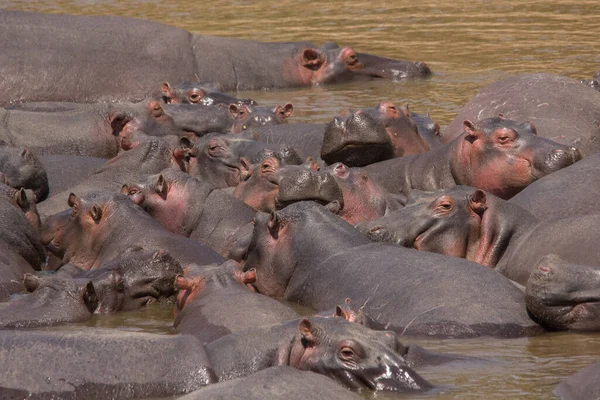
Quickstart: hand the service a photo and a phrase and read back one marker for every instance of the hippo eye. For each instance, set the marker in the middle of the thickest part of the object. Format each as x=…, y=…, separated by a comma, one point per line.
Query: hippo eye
x=352, y=59
x=194, y=98
x=347, y=354
x=133, y=191
x=444, y=206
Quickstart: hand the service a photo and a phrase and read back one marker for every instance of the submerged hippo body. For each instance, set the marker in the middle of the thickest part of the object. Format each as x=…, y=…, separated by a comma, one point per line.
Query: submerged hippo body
x=583, y=385
x=562, y=109
x=101, y=364
x=497, y=155
x=405, y=290
x=354, y=356
x=58, y=60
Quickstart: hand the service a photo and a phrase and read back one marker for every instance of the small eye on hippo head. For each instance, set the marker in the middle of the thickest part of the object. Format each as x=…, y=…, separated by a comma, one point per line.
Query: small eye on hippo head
x=250, y=116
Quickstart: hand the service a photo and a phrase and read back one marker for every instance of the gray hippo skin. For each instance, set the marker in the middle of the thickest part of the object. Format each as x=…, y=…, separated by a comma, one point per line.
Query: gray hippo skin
x=23, y=169
x=64, y=171
x=354, y=356
x=468, y=223
x=583, y=385
x=498, y=155
x=306, y=254
x=213, y=301
x=571, y=191
x=100, y=365
x=275, y=383
x=562, y=109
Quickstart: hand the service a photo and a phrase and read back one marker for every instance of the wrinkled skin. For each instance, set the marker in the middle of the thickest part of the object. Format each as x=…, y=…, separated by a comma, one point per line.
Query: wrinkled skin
x=468, y=223
x=134, y=280
x=150, y=157
x=364, y=200
x=306, y=254
x=569, y=192
x=195, y=93
x=213, y=301
x=356, y=139
x=98, y=228
x=248, y=116
x=275, y=383
x=583, y=385
x=354, y=356
x=562, y=109
x=564, y=296
x=497, y=155
x=305, y=139
x=80, y=368
x=23, y=170
x=51, y=302
x=272, y=186
x=59, y=68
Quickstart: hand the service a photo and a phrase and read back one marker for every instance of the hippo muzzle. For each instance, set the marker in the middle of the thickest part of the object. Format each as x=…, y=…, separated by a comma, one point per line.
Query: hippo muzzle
x=302, y=184
x=559, y=158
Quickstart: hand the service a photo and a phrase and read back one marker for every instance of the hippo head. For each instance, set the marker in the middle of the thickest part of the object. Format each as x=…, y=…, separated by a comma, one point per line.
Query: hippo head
x=356, y=139
x=401, y=129
x=564, y=296
x=56, y=293
x=247, y=116
x=166, y=197
x=20, y=168
x=207, y=94
x=195, y=280
x=24, y=200
x=147, y=116
x=503, y=157
x=364, y=200
x=351, y=354
x=272, y=186
x=447, y=222
x=215, y=158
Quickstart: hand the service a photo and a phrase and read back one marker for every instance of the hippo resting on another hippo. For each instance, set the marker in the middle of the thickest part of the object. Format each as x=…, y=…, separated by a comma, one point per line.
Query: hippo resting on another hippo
x=22, y=169
x=58, y=60
x=100, y=364
x=306, y=254
x=583, y=385
x=496, y=155
x=562, y=109
x=465, y=222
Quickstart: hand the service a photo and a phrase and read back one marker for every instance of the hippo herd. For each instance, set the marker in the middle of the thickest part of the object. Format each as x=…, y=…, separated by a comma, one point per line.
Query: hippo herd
x=130, y=178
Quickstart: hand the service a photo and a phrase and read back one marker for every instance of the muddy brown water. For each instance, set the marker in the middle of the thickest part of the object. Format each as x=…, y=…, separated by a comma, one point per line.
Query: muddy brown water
x=468, y=44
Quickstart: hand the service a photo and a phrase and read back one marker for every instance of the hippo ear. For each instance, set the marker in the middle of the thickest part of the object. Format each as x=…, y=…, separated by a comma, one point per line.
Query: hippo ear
x=477, y=201
x=313, y=58
x=184, y=283
x=311, y=164
x=154, y=108
x=21, y=199
x=405, y=109
x=274, y=224
x=185, y=143
x=73, y=201
x=306, y=330
x=529, y=127
x=501, y=116
x=161, y=186
x=245, y=168
x=31, y=282
x=124, y=189
x=249, y=276
x=235, y=110
x=334, y=206
x=472, y=133
x=286, y=111
x=339, y=312
x=166, y=90
x=96, y=213
x=127, y=144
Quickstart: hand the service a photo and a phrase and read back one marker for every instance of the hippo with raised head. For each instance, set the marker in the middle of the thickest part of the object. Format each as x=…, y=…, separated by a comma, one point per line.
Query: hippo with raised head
x=498, y=155
x=101, y=364
x=196, y=93
x=354, y=356
x=23, y=169
x=213, y=301
x=466, y=222
x=306, y=254
x=562, y=109
x=99, y=227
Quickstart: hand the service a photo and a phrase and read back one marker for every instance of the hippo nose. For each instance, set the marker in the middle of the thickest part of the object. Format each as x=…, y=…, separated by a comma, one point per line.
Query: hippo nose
x=575, y=153
x=339, y=122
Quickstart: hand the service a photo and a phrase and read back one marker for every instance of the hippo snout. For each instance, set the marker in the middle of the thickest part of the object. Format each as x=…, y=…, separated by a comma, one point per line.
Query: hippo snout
x=394, y=375
x=561, y=158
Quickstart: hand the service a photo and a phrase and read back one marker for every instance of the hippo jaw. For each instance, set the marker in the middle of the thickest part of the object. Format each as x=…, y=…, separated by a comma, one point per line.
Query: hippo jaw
x=314, y=186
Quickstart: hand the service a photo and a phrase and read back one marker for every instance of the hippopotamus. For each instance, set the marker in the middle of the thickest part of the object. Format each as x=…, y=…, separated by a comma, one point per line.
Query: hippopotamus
x=354, y=356
x=213, y=301
x=135, y=279
x=466, y=222
x=99, y=227
x=24, y=200
x=247, y=116
x=497, y=155
x=594, y=83
x=225, y=160
x=564, y=296
x=193, y=208
x=149, y=157
x=21, y=250
x=306, y=254
x=195, y=93
x=363, y=199
x=583, y=385
x=94, y=129
x=272, y=186
x=565, y=193
x=562, y=109
x=23, y=169
x=51, y=302
x=58, y=60
x=428, y=129
x=274, y=383
x=101, y=364
x=64, y=171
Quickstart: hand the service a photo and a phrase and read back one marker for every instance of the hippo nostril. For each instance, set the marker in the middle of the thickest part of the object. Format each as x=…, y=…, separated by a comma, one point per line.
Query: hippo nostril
x=375, y=229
